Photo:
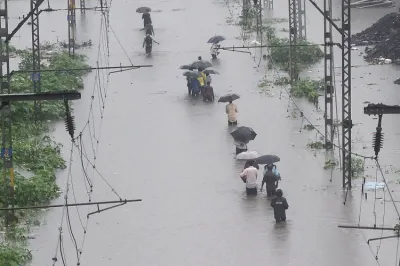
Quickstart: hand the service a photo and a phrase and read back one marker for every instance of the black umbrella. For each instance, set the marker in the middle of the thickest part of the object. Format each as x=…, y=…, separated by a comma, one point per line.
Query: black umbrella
x=143, y=9
x=216, y=39
x=228, y=98
x=188, y=67
x=244, y=134
x=210, y=71
x=191, y=74
x=267, y=159
x=201, y=64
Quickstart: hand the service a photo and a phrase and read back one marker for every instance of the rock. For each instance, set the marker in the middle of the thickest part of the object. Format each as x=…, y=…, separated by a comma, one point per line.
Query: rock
x=397, y=81
x=385, y=35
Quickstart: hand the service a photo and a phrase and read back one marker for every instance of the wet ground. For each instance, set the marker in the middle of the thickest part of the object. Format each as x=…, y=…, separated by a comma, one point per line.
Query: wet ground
x=177, y=155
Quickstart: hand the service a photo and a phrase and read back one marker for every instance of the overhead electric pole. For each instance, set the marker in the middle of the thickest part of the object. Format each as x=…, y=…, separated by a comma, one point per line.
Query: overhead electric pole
x=82, y=6
x=301, y=18
x=35, y=76
x=6, y=147
x=71, y=27
x=269, y=4
x=293, y=37
x=329, y=76
x=347, y=122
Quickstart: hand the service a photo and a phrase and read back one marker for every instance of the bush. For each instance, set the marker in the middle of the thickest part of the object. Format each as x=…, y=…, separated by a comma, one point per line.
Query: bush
x=306, y=55
x=307, y=88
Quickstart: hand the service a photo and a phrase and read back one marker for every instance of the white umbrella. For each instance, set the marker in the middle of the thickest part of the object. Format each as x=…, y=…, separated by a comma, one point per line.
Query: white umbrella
x=248, y=155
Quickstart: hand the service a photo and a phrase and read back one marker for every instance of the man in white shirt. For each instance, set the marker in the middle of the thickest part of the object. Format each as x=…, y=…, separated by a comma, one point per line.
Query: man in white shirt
x=249, y=176
x=231, y=111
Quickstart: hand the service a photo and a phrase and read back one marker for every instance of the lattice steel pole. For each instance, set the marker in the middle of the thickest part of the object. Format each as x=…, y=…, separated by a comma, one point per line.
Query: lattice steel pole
x=328, y=80
x=301, y=18
x=346, y=94
x=82, y=6
x=35, y=76
x=71, y=27
x=293, y=35
x=6, y=147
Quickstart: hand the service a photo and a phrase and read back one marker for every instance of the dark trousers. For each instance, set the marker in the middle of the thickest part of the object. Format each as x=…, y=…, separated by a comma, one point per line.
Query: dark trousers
x=232, y=123
x=207, y=98
x=240, y=150
x=145, y=22
x=251, y=191
x=271, y=192
x=279, y=219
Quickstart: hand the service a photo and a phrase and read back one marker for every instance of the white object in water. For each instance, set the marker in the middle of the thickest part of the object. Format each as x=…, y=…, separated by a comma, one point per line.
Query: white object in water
x=247, y=155
x=388, y=61
x=374, y=185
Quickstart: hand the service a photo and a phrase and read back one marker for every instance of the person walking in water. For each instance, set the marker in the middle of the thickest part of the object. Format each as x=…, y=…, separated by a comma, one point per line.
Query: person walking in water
x=149, y=29
x=231, y=111
x=208, y=93
x=271, y=179
x=249, y=176
x=280, y=205
x=240, y=147
x=146, y=19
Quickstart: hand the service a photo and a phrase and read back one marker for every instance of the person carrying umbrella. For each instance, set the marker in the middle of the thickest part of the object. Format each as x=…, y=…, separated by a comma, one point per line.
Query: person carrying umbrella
x=146, y=19
x=249, y=176
x=241, y=146
x=271, y=180
x=202, y=79
x=214, y=50
x=231, y=110
x=208, y=93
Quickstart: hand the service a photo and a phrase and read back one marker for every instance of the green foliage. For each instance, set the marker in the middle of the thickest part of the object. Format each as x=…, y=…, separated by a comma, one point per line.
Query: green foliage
x=307, y=88
x=357, y=167
x=308, y=127
x=13, y=255
x=281, y=81
x=306, y=55
x=50, y=81
x=330, y=164
x=316, y=145
x=33, y=150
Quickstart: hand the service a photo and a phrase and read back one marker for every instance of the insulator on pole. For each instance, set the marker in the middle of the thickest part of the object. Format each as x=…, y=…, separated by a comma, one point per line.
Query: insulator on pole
x=69, y=120
x=378, y=141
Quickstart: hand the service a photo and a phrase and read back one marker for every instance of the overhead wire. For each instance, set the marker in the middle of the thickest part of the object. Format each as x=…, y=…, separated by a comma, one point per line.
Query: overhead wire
x=98, y=97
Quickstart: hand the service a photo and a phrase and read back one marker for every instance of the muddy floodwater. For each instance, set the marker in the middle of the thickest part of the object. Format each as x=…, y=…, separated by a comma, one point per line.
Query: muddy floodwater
x=177, y=155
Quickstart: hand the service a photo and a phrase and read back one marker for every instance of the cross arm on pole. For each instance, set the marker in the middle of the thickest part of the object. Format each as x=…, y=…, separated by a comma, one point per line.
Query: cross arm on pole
x=367, y=227
x=42, y=96
x=232, y=48
x=128, y=67
x=380, y=109
x=122, y=201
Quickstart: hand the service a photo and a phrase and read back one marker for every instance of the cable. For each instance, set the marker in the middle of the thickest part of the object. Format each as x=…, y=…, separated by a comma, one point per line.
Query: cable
x=388, y=190
x=69, y=176
x=99, y=95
